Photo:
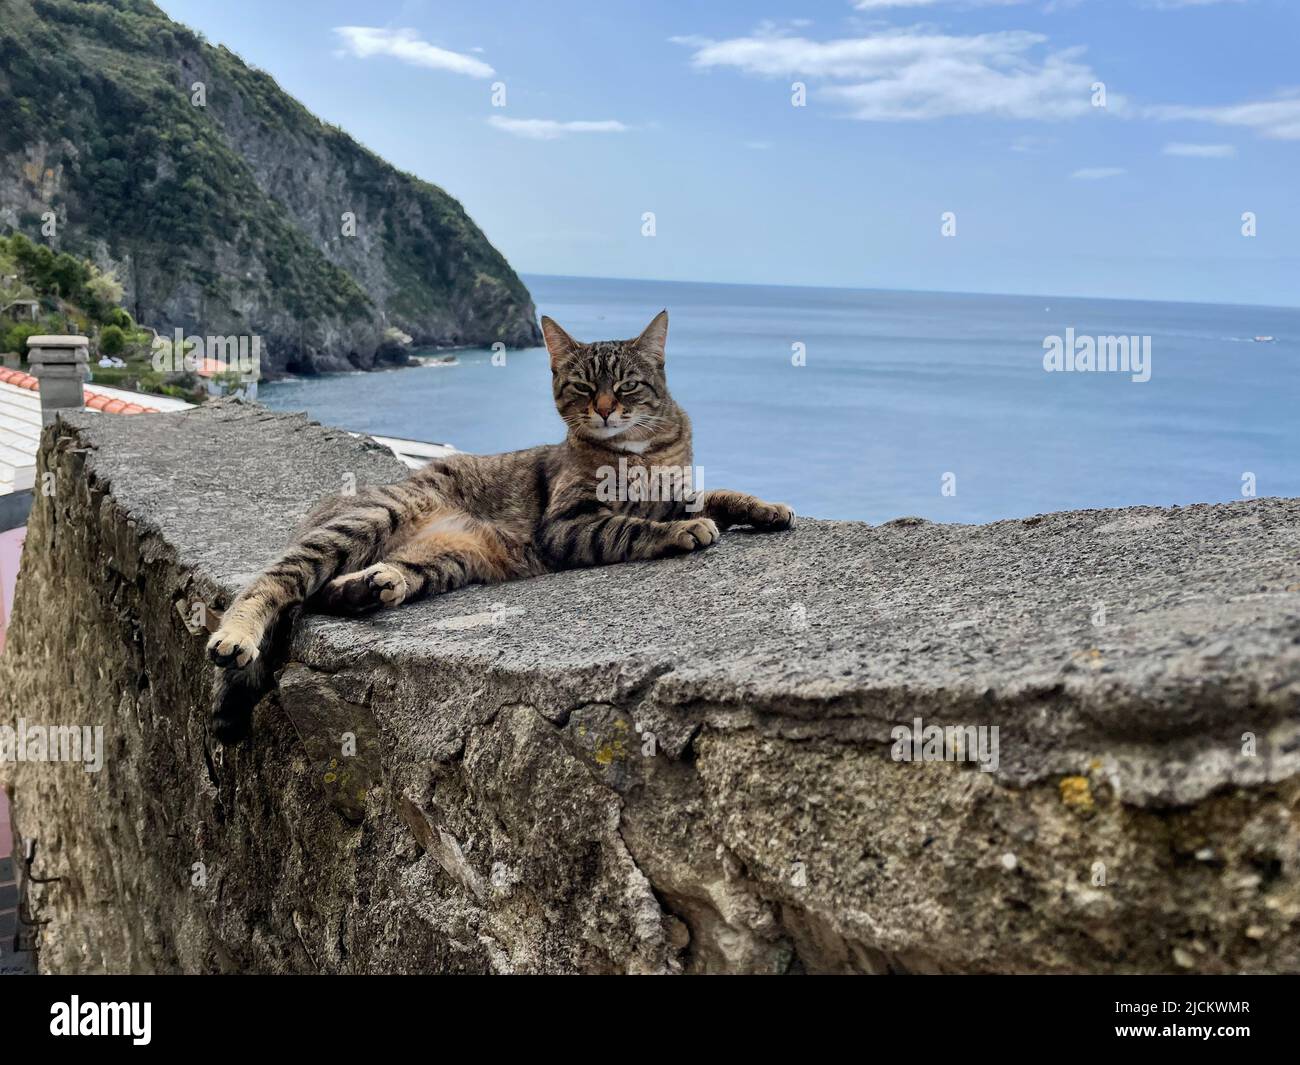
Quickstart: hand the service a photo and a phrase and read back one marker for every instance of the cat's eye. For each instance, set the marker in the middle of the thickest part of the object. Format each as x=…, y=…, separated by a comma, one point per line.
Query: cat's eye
x=582, y=388
x=628, y=387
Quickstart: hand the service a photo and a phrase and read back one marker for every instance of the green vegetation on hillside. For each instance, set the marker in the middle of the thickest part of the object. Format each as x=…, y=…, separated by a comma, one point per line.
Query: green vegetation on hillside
x=161, y=182
x=75, y=296
x=224, y=210
x=72, y=293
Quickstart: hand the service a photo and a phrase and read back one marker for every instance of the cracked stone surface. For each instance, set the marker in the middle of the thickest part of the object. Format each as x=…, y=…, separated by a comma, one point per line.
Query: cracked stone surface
x=678, y=766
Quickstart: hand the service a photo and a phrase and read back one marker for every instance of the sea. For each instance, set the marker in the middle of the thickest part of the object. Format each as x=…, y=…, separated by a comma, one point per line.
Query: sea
x=873, y=405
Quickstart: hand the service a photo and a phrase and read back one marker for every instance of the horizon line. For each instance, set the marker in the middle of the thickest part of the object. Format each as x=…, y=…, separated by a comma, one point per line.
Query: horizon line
x=907, y=291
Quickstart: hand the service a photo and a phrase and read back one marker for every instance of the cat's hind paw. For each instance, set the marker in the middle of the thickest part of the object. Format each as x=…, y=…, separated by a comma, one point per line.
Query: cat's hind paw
x=365, y=590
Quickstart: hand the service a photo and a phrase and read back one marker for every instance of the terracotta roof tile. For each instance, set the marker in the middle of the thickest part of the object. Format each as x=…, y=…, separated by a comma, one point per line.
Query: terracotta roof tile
x=94, y=400
x=115, y=405
x=19, y=380
x=102, y=402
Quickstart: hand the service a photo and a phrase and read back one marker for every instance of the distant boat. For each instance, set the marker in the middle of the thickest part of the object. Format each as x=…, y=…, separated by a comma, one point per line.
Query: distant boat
x=1265, y=340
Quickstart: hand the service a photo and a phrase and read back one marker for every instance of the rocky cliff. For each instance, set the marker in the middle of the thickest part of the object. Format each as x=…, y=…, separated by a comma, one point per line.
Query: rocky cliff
x=688, y=765
x=225, y=207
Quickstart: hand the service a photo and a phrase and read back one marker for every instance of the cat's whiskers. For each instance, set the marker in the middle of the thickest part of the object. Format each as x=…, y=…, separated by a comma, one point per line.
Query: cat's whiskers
x=653, y=424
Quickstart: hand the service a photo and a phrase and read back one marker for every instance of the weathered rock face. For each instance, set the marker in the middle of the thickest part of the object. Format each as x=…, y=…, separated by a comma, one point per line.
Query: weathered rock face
x=677, y=766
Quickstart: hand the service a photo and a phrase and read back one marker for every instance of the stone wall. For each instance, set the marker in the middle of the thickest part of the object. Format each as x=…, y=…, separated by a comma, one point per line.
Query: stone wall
x=680, y=766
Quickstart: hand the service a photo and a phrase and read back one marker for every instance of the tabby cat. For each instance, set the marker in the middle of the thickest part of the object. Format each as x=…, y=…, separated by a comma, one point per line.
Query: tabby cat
x=485, y=518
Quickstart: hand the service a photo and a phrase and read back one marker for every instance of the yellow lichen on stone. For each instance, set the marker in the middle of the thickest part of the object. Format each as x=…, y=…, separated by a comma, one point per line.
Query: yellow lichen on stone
x=1092, y=657
x=611, y=751
x=1076, y=793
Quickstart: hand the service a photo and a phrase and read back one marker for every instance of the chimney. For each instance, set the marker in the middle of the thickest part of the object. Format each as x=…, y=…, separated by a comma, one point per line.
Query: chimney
x=60, y=364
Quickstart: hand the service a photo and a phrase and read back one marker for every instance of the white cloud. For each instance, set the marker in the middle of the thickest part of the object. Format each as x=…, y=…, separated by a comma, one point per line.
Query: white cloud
x=406, y=45
x=548, y=129
x=1098, y=173
x=1201, y=151
x=912, y=74
x=1275, y=119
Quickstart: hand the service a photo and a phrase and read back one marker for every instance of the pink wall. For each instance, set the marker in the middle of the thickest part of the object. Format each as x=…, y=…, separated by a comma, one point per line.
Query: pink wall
x=6, y=829
x=11, y=549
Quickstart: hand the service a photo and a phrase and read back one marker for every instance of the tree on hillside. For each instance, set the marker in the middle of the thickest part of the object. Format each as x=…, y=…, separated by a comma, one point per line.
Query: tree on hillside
x=112, y=340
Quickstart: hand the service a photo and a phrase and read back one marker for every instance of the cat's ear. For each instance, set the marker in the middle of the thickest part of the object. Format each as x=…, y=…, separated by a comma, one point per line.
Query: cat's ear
x=655, y=336
x=558, y=342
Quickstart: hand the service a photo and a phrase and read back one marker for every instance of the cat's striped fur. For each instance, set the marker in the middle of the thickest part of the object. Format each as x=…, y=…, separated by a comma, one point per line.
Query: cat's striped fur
x=486, y=518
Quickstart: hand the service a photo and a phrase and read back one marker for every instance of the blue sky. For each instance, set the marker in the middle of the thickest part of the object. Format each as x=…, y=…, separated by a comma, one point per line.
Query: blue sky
x=983, y=108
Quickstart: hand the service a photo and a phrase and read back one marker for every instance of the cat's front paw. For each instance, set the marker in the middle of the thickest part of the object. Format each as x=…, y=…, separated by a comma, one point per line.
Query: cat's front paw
x=230, y=648
x=694, y=535
x=771, y=516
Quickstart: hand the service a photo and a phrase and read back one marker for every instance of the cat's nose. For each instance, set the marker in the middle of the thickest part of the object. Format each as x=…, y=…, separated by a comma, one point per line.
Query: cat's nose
x=604, y=405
